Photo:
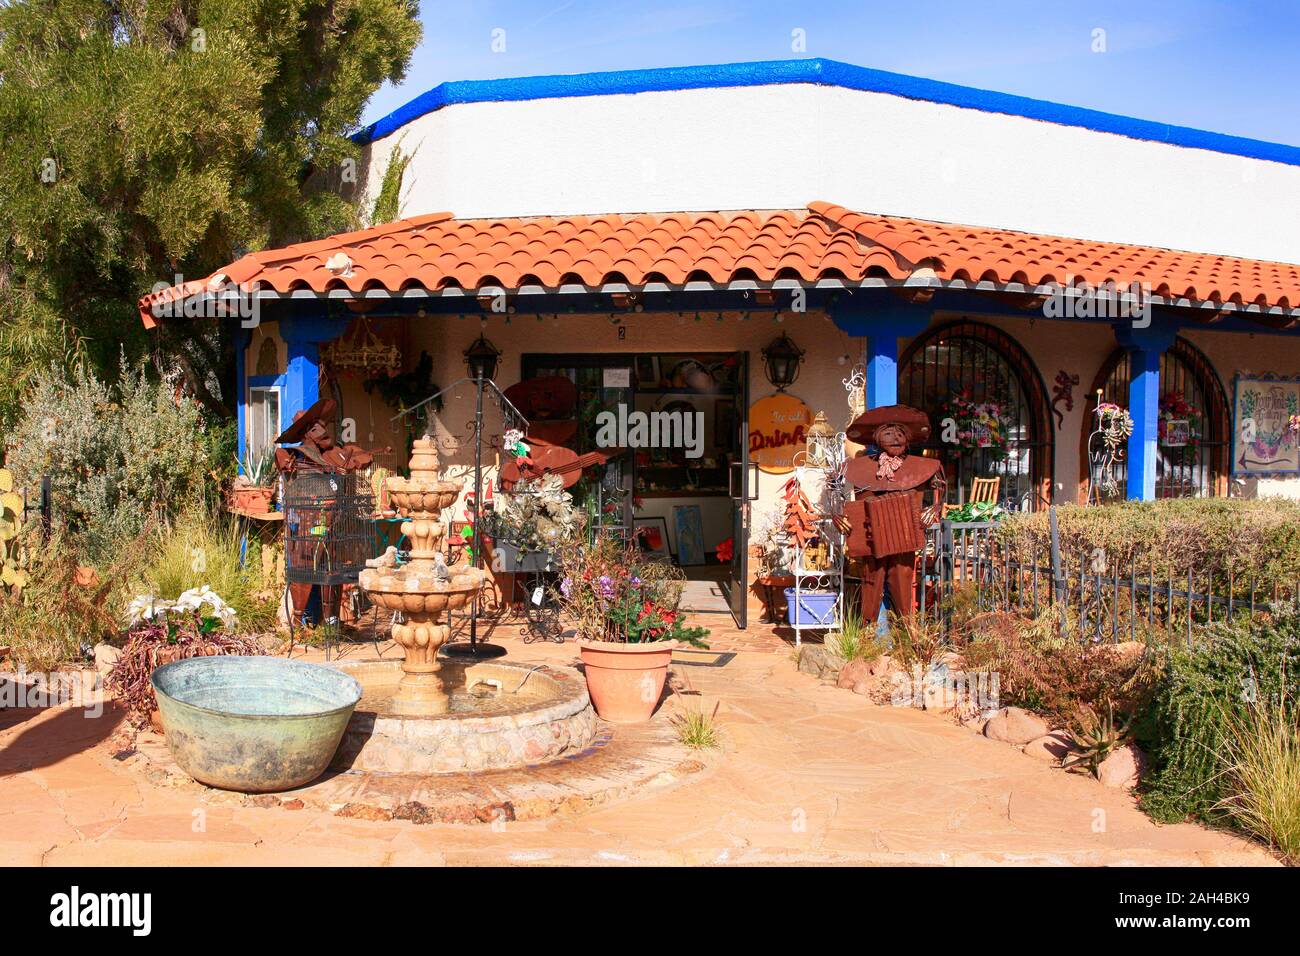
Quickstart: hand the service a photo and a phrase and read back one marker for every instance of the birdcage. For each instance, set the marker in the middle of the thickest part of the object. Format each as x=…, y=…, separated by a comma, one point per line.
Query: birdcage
x=328, y=528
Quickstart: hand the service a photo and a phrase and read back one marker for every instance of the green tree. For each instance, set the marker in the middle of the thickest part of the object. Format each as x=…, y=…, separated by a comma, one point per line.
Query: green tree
x=147, y=139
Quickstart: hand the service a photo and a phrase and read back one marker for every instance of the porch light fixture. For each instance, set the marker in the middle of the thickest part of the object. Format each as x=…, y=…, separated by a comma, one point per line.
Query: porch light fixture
x=782, y=358
x=481, y=357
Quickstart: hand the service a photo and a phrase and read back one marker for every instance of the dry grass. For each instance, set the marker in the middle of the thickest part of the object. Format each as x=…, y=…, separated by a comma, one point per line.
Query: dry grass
x=696, y=729
x=1263, y=758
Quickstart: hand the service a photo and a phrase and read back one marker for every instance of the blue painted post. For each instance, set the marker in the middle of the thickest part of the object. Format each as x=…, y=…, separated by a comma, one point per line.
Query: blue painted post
x=882, y=367
x=1144, y=406
x=882, y=323
x=301, y=379
x=241, y=340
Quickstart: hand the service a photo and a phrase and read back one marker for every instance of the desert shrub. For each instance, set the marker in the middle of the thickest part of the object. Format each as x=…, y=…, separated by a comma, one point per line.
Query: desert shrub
x=1056, y=675
x=1263, y=761
x=1205, y=690
x=117, y=455
x=199, y=548
x=854, y=641
x=62, y=612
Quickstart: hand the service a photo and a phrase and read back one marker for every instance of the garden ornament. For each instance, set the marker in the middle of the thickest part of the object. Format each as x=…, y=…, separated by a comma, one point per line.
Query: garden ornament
x=888, y=517
x=315, y=449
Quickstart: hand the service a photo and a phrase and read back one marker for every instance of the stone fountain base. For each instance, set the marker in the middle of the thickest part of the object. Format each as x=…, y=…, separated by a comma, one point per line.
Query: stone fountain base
x=529, y=714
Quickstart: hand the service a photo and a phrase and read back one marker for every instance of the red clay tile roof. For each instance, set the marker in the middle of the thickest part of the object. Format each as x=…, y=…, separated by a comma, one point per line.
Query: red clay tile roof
x=436, y=252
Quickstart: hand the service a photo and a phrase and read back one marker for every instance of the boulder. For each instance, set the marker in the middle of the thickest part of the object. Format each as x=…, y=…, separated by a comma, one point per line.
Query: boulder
x=106, y=657
x=1123, y=767
x=1014, y=725
x=853, y=673
x=1051, y=748
x=818, y=661
x=864, y=687
x=881, y=666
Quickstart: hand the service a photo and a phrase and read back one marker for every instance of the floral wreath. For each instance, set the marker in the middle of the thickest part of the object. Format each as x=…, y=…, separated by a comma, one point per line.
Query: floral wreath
x=980, y=425
x=1175, y=407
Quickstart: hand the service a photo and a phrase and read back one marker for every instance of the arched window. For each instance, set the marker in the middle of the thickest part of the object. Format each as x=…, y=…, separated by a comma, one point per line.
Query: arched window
x=1192, y=453
x=981, y=380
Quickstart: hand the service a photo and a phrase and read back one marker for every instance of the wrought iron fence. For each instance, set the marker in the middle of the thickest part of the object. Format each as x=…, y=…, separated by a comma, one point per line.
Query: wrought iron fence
x=1093, y=596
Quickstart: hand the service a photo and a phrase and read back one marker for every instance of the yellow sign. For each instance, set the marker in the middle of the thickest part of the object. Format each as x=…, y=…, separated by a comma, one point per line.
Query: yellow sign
x=778, y=428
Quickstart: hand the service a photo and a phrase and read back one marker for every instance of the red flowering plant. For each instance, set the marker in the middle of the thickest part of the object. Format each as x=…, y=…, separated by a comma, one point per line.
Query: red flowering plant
x=1174, y=407
x=613, y=592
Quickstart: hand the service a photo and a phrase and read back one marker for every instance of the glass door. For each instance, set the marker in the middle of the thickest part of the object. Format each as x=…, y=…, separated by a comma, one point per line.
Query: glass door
x=743, y=488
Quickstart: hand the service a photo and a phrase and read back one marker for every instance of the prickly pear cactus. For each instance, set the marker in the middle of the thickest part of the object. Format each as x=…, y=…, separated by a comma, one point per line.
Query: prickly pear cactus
x=12, y=575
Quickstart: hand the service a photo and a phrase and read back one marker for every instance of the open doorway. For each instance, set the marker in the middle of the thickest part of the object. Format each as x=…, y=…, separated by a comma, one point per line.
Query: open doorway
x=683, y=478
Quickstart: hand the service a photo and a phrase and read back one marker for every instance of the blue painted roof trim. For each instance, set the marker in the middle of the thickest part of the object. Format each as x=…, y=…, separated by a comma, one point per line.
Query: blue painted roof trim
x=825, y=73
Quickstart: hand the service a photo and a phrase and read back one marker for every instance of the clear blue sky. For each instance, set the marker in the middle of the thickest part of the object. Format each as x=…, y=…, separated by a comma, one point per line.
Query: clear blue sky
x=1222, y=66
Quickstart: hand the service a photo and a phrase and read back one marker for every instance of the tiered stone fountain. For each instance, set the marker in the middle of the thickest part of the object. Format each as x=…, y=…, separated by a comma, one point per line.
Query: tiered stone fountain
x=425, y=588
x=427, y=715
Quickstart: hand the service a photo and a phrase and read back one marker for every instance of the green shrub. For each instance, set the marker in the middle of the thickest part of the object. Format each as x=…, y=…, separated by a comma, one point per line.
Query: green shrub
x=117, y=456
x=1203, y=691
x=1244, y=541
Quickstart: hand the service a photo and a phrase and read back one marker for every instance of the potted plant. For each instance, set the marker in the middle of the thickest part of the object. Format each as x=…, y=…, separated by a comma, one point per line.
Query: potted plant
x=197, y=624
x=252, y=489
x=626, y=611
x=768, y=548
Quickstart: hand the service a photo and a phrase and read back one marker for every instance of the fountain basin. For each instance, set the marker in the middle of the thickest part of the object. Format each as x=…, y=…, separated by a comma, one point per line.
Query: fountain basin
x=413, y=496
x=406, y=589
x=253, y=724
x=539, y=713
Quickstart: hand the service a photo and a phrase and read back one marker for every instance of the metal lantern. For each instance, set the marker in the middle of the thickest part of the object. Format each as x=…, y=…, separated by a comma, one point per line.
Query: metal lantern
x=481, y=357
x=820, y=438
x=782, y=358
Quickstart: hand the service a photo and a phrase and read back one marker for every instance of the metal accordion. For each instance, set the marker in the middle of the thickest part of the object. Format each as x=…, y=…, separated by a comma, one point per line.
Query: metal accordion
x=884, y=525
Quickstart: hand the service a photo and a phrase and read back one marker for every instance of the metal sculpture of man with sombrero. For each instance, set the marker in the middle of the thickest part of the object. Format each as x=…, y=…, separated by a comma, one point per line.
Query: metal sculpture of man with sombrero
x=888, y=516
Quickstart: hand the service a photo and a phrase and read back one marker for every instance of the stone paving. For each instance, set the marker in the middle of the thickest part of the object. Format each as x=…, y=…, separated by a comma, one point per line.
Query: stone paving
x=807, y=774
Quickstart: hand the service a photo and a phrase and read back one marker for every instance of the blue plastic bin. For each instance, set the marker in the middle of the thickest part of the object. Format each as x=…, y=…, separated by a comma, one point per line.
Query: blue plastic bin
x=812, y=609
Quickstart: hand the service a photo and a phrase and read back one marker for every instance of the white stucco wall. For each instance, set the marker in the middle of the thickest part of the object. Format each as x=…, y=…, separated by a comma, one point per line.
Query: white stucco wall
x=782, y=146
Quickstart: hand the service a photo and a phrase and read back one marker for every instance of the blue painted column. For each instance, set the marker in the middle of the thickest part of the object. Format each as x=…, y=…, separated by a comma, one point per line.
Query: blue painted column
x=1144, y=406
x=241, y=339
x=303, y=336
x=882, y=323
x=1146, y=344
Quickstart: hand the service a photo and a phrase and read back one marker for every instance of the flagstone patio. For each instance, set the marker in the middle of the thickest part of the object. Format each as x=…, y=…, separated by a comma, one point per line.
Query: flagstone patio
x=808, y=773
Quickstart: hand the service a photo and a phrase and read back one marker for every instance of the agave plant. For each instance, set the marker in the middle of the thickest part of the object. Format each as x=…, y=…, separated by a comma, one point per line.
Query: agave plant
x=1095, y=738
x=256, y=467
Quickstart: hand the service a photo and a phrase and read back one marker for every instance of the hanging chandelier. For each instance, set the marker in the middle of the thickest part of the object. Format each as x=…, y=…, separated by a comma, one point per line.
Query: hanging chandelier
x=361, y=350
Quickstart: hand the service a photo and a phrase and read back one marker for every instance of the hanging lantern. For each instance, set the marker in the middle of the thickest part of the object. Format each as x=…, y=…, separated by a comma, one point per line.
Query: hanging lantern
x=782, y=358
x=481, y=357
x=820, y=437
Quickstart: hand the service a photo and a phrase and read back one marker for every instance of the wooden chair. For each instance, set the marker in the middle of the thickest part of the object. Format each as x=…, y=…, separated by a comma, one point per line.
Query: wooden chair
x=985, y=490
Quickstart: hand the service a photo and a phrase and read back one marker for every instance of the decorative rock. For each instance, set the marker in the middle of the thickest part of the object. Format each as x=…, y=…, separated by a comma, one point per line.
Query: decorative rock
x=853, y=673
x=1013, y=725
x=1051, y=747
x=863, y=687
x=817, y=661
x=881, y=666
x=1123, y=767
x=106, y=657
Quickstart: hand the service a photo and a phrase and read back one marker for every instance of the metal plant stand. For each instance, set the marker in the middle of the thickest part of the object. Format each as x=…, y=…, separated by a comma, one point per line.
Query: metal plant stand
x=830, y=458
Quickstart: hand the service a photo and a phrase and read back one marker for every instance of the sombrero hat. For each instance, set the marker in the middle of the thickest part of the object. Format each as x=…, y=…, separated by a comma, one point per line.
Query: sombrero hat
x=913, y=419
x=549, y=396
x=302, y=422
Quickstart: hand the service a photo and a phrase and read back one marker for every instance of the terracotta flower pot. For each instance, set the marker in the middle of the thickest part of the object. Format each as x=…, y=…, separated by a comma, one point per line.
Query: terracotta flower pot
x=770, y=589
x=251, y=499
x=625, y=680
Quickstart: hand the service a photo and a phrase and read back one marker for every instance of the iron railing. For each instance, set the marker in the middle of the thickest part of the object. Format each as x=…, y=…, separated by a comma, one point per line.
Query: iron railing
x=1092, y=595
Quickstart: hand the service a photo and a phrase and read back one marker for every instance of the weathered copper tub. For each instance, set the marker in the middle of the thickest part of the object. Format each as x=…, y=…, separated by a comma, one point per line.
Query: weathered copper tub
x=254, y=724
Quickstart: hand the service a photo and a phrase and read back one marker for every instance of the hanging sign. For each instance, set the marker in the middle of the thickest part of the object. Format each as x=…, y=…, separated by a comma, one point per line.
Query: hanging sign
x=1266, y=426
x=778, y=428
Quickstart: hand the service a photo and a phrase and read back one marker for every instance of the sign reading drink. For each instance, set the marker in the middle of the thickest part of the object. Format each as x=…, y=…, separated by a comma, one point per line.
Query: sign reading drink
x=778, y=428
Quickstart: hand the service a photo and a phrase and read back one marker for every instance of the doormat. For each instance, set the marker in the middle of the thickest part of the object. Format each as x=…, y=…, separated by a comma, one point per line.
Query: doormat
x=700, y=658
